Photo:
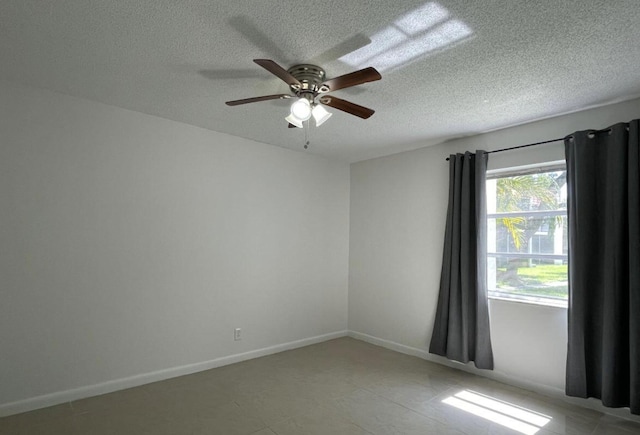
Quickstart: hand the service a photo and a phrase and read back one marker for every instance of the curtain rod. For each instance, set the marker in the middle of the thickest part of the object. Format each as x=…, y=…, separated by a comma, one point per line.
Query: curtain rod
x=570, y=137
x=522, y=146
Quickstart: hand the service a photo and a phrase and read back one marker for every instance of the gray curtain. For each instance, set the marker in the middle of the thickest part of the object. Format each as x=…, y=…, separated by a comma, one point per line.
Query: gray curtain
x=461, y=328
x=603, y=178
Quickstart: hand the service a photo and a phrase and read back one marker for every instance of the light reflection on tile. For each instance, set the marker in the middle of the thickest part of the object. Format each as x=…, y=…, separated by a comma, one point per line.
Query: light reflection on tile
x=491, y=415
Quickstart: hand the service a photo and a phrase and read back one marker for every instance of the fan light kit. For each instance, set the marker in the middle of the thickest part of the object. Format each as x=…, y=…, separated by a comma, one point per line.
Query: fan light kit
x=301, y=109
x=308, y=84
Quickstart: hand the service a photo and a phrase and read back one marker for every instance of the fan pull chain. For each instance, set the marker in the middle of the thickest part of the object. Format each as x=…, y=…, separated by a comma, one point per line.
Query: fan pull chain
x=306, y=135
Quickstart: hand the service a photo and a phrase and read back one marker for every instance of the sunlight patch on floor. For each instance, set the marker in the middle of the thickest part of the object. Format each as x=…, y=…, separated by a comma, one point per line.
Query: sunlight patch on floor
x=508, y=415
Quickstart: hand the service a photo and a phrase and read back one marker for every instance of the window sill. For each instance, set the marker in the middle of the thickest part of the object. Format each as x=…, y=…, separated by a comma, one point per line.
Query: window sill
x=531, y=301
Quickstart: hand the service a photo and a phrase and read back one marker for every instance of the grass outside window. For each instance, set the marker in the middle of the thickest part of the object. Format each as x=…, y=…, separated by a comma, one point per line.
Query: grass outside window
x=537, y=280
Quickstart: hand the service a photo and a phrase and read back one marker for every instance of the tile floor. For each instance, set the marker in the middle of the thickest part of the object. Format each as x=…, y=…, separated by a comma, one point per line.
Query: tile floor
x=342, y=386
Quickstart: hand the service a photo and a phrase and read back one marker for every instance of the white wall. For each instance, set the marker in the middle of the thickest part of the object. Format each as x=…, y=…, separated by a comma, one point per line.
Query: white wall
x=131, y=244
x=398, y=209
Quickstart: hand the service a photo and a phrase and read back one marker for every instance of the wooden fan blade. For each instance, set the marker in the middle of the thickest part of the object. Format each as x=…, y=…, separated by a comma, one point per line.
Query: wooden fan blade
x=256, y=99
x=352, y=79
x=278, y=71
x=347, y=106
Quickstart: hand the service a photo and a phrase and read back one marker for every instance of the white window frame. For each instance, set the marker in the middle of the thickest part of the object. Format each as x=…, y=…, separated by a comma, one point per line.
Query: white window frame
x=493, y=293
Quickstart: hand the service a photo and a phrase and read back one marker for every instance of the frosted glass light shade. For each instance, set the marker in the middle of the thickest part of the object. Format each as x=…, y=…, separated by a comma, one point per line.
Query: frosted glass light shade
x=320, y=115
x=301, y=109
x=293, y=120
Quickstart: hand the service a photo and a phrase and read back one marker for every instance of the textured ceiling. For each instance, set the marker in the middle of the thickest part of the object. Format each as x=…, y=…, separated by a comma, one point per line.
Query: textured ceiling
x=449, y=68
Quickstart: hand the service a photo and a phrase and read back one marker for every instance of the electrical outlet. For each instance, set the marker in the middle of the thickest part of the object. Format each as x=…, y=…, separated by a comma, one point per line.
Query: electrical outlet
x=237, y=334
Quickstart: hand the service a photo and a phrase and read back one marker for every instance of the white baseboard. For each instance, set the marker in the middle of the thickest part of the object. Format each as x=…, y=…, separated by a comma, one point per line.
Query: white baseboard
x=545, y=390
x=491, y=374
x=160, y=375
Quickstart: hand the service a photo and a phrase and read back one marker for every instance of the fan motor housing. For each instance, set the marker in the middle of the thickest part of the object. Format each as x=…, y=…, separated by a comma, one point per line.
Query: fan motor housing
x=310, y=76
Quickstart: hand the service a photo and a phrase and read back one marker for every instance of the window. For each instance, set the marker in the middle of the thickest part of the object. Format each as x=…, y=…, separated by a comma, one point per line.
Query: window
x=527, y=235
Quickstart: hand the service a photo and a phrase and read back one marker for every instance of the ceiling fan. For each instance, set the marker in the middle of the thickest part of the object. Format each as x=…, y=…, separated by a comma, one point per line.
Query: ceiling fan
x=308, y=84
